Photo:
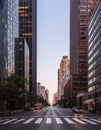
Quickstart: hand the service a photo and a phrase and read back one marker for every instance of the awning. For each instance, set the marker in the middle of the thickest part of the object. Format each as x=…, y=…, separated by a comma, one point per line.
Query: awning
x=88, y=101
x=80, y=95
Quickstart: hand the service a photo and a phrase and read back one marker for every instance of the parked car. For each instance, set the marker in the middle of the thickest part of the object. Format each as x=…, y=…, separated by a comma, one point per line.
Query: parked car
x=77, y=110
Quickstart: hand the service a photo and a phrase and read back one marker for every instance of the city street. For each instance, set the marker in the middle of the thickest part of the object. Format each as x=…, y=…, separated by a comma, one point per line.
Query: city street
x=51, y=118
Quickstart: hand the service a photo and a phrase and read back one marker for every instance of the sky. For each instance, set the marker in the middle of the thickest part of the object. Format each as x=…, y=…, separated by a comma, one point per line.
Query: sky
x=53, y=36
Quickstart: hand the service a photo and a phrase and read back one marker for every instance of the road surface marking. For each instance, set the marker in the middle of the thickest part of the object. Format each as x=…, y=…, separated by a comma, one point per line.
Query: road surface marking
x=96, y=120
x=3, y=120
x=22, y=119
x=28, y=121
x=69, y=121
x=38, y=121
x=59, y=121
x=9, y=121
x=79, y=121
x=49, y=121
x=91, y=122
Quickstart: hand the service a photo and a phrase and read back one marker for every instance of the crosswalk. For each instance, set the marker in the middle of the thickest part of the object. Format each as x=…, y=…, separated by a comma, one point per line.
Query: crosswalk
x=50, y=120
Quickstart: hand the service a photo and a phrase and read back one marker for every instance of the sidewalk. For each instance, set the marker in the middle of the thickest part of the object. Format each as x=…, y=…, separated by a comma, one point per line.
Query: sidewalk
x=87, y=113
x=10, y=113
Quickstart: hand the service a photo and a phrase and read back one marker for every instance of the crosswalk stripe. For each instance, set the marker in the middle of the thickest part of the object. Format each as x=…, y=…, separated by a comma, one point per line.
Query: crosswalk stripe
x=38, y=121
x=69, y=121
x=28, y=121
x=59, y=121
x=49, y=121
x=79, y=121
x=18, y=121
x=3, y=120
x=96, y=120
x=9, y=121
x=91, y=122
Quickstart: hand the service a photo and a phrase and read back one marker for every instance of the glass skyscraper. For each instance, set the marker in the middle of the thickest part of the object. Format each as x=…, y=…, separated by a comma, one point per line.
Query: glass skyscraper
x=8, y=33
x=94, y=53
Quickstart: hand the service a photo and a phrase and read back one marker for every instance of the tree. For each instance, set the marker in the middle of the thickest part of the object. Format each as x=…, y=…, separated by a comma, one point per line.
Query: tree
x=11, y=89
x=63, y=102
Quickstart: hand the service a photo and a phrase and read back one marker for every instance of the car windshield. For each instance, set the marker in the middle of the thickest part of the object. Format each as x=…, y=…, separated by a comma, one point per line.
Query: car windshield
x=36, y=105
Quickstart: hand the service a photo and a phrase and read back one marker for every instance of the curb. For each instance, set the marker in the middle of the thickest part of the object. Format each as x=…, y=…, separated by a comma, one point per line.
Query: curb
x=16, y=111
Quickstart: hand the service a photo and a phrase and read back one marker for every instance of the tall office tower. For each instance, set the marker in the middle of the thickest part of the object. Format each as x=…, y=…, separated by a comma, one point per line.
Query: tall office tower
x=22, y=59
x=80, y=13
x=94, y=58
x=64, y=69
x=27, y=29
x=8, y=33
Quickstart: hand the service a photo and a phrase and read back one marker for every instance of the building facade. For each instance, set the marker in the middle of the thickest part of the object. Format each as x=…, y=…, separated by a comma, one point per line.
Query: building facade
x=64, y=69
x=39, y=89
x=80, y=12
x=65, y=80
x=22, y=59
x=8, y=33
x=68, y=89
x=47, y=95
x=28, y=30
x=55, y=98
x=94, y=58
x=43, y=91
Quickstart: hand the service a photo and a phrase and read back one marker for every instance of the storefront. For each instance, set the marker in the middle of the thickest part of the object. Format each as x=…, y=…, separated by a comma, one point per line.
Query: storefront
x=93, y=105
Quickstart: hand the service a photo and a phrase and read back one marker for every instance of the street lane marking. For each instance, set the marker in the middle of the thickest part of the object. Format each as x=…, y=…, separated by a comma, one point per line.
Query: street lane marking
x=79, y=121
x=69, y=121
x=38, y=121
x=49, y=121
x=59, y=121
x=18, y=121
x=28, y=121
x=91, y=122
x=9, y=121
x=96, y=120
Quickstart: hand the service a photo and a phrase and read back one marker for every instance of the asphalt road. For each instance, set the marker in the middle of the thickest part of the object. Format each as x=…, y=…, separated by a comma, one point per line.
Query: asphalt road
x=51, y=118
